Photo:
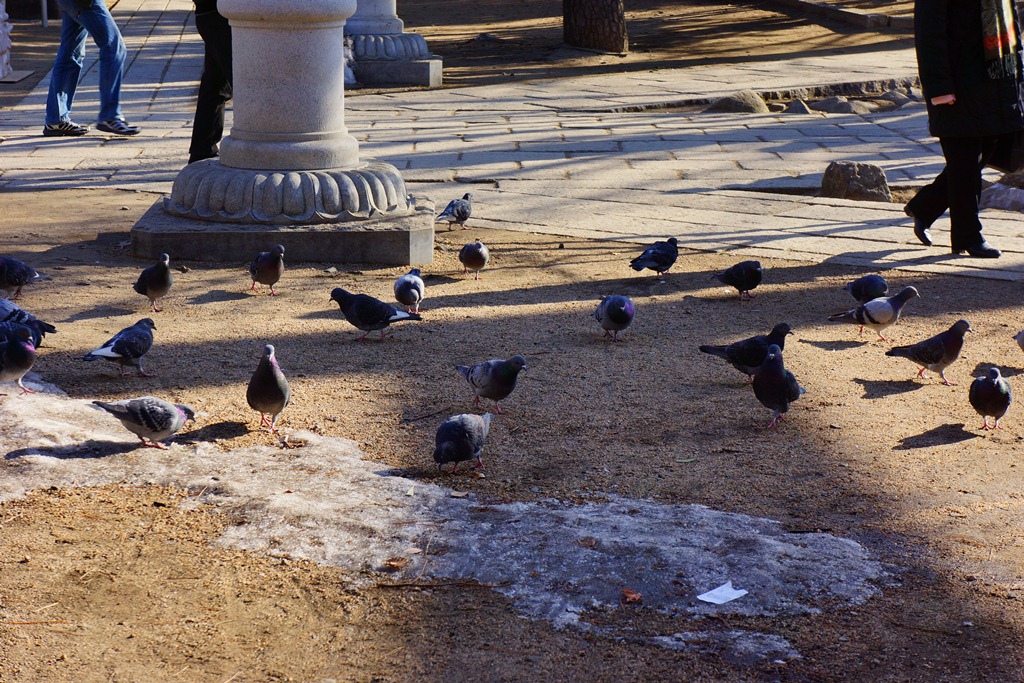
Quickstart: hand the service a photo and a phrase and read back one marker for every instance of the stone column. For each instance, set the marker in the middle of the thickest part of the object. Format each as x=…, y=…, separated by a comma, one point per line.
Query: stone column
x=289, y=161
x=384, y=53
x=5, y=41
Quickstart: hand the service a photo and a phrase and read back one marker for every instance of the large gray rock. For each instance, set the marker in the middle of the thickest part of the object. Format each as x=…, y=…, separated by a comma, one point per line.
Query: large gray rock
x=744, y=101
x=854, y=180
x=798, y=106
x=897, y=97
x=1007, y=194
x=841, y=105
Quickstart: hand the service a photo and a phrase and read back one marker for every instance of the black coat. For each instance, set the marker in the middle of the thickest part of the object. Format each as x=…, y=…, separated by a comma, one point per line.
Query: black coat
x=950, y=59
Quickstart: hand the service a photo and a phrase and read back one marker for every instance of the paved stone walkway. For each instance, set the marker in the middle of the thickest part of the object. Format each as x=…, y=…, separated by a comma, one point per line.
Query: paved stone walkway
x=599, y=156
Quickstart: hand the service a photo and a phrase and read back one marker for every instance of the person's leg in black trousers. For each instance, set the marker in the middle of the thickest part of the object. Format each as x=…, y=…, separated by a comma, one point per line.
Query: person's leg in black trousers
x=214, y=87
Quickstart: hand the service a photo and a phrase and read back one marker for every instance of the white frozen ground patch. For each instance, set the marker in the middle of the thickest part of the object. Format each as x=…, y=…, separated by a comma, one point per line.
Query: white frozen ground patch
x=322, y=502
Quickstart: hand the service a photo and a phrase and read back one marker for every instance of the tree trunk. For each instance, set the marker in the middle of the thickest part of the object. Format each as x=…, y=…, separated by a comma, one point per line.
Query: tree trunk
x=595, y=25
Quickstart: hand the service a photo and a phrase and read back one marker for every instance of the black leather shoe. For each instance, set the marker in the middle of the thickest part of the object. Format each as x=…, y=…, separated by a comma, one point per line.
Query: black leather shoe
x=981, y=250
x=920, y=229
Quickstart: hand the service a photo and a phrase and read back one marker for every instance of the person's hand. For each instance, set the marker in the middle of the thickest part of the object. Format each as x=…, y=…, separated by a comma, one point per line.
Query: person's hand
x=943, y=99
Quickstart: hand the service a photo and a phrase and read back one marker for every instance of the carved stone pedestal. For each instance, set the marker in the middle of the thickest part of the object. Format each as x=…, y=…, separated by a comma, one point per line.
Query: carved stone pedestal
x=386, y=55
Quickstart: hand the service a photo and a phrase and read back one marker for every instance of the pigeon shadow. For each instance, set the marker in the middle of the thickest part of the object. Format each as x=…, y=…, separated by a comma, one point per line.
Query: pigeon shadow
x=333, y=313
x=943, y=435
x=881, y=389
x=88, y=450
x=101, y=312
x=217, y=296
x=834, y=345
x=218, y=430
x=437, y=279
x=1006, y=371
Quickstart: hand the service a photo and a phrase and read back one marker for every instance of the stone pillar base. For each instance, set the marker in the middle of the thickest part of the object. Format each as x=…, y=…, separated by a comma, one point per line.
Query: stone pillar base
x=385, y=240
x=384, y=73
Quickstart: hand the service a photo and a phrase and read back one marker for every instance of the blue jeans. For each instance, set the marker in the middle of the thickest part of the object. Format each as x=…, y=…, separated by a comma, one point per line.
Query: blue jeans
x=95, y=21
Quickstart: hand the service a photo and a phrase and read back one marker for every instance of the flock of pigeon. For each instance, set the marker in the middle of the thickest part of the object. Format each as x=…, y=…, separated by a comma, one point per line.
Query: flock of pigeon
x=461, y=437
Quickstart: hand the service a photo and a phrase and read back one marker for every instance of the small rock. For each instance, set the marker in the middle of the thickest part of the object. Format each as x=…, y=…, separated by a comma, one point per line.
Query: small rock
x=776, y=107
x=896, y=97
x=798, y=107
x=855, y=180
x=830, y=104
x=746, y=101
x=331, y=271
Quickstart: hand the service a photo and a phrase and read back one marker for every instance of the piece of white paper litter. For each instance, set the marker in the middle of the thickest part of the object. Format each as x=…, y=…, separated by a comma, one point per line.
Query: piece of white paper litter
x=722, y=594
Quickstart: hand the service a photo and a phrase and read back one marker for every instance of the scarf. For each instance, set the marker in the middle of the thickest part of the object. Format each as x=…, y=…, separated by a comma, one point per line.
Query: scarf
x=999, y=38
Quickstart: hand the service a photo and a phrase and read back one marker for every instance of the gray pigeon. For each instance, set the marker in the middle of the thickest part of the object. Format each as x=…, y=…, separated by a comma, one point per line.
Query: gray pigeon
x=154, y=282
x=10, y=312
x=658, y=257
x=15, y=274
x=17, y=356
x=936, y=353
x=474, y=256
x=368, y=313
x=493, y=379
x=127, y=347
x=879, y=313
x=457, y=211
x=34, y=330
x=991, y=395
x=744, y=276
x=615, y=313
x=268, y=392
x=775, y=386
x=461, y=437
x=747, y=355
x=149, y=418
x=409, y=290
x=868, y=287
x=267, y=268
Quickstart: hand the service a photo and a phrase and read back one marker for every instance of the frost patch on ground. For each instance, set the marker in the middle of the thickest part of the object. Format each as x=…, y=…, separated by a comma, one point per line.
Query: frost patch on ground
x=320, y=501
x=746, y=648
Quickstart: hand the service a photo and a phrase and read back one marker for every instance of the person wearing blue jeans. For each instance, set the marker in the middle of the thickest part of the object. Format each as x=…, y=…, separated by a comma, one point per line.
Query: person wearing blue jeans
x=82, y=18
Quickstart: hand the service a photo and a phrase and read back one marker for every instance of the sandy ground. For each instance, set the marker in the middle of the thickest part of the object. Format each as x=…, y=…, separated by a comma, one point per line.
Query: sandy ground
x=120, y=584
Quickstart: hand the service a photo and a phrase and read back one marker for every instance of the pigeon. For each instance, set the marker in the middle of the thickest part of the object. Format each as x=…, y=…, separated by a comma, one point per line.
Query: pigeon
x=267, y=268
x=991, y=395
x=409, y=290
x=457, y=211
x=866, y=288
x=936, y=353
x=127, y=347
x=493, y=379
x=658, y=257
x=149, y=418
x=34, y=327
x=1019, y=337
x=615, y=313
x=15, y=274
x=775, y=386
x=367, y=313
x=474, y=256
x=747, y=355
x=17, y=355
x=10, y=312
x=461, y=437
x=268, y=392
x=879, y=313
x=154, y=282
x=744, y=276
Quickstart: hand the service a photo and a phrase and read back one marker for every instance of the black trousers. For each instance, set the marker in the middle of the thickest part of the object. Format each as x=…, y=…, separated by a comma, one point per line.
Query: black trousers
x=958, y=189
x=214, y=86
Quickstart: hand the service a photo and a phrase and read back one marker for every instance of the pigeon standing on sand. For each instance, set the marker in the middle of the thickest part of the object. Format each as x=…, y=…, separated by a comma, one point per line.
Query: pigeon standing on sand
x=474, y=256
x=149, y=418
x=658, y=257
x=17, y=356
x=268, y=392
x=493, y=379
x=879, y=313
x=461, y=437
x=368, y=313
x=409, y=290
x=267, y=268
x=154, y=282
x=936, y=353
x=15, y=274
x=744, y=276
x=775, y=386
x=747, y=355
x=11, y=312
x=991, y=395
x=866, y=288
x=615, y=313
x=457, y=211
x=127, y=347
